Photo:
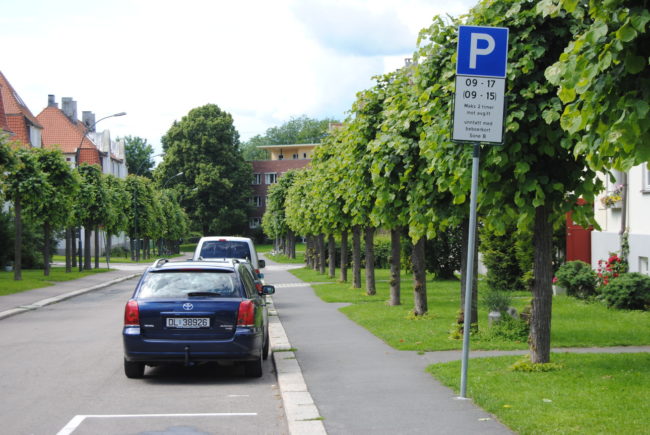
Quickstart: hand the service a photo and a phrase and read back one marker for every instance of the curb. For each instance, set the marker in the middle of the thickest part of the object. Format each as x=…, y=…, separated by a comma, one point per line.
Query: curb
x=63, y=297
x=302, y=414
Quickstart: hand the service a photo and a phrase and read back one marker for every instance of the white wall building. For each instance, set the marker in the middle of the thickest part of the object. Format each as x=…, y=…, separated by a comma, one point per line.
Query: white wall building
x=609, y=217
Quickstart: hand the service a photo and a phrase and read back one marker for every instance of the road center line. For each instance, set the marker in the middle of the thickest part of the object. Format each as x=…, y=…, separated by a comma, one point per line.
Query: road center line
x=78, y=419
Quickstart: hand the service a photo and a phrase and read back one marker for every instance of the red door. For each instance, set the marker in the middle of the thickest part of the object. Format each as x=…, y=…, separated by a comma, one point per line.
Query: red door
x=578, y=240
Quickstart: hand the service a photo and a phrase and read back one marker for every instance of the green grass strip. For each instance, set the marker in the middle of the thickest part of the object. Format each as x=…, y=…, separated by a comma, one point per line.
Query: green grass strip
x=575, y=323
x=33, y=279
x=592, y=393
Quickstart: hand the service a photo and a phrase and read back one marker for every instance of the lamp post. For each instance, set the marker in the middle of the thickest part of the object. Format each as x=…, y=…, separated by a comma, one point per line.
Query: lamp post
x=83, y=136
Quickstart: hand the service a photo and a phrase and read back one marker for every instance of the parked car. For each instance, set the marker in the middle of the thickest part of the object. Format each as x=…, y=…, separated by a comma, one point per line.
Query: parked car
x=220, y=247
x=193, y=312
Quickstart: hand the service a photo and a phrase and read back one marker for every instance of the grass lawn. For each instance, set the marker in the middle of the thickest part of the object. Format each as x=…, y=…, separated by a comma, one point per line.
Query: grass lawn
x=574, y=324
x=102, y=260
x=280, y=258
x=592, y=393
x=35, y=279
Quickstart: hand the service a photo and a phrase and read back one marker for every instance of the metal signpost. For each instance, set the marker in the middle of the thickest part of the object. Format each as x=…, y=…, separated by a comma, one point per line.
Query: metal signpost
x=479, y=107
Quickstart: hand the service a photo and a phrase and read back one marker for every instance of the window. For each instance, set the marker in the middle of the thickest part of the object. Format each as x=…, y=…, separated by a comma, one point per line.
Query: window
x=295, y=156
x=254, y=222
x=256, y=201
x=271, y=177
x=643, y=265
x=646, y=177
x=257, y=178
x=304, y=155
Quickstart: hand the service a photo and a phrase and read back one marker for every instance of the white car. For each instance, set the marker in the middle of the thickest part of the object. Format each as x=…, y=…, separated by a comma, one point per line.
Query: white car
x=222, y=247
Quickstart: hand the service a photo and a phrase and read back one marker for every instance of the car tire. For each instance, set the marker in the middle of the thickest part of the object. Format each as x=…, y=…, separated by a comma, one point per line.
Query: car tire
x=133, y=370
x=265, y=349
x=253, y=369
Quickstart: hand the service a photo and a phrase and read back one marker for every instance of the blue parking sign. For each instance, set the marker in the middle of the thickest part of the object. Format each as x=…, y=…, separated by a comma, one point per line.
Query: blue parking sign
x=482, y=51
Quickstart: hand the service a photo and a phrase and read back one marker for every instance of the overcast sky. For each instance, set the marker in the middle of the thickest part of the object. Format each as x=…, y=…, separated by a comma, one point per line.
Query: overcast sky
x=263, y=61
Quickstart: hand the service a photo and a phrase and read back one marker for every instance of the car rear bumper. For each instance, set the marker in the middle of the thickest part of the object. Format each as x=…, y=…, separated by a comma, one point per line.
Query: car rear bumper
x=245, y=345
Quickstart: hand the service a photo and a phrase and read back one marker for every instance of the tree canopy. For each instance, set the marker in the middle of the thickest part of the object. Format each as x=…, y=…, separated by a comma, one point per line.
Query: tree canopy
x=139, y=156
x=204, y=147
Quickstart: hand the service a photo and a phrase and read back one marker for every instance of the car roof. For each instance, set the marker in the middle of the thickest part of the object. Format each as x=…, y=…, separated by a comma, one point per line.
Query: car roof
x=164, y=264
x=225, y=238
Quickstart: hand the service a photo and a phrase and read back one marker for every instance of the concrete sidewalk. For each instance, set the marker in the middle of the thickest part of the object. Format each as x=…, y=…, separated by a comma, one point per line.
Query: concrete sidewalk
x=358, y=383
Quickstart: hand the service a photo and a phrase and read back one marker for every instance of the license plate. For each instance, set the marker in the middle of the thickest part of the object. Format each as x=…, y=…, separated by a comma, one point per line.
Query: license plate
x=188, y=322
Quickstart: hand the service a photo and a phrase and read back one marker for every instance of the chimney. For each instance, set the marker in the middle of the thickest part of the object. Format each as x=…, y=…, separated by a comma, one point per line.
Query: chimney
x=69, y=107
x=88, y=119
x=51, y=101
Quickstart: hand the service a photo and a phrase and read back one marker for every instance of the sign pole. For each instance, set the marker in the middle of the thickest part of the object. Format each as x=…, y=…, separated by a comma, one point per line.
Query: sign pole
x=469, y=272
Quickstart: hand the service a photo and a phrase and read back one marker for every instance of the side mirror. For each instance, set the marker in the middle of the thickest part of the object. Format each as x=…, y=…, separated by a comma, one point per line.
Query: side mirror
x=261, y=263
x=268, y=290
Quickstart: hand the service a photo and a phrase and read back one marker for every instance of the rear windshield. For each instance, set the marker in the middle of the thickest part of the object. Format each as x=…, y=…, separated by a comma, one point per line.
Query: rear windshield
x=182, y=283
x=225, y=249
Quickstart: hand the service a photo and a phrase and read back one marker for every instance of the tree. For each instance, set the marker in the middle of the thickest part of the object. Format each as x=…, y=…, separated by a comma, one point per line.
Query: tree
x=139, y=156
x=204, y=146
x=24, y=183
x=116, y=218
x=603, y=79
x=92, y=206
x=54, y=211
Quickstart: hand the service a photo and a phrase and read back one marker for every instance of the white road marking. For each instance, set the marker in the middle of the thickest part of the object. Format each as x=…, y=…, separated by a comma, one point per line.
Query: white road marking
x=78, y=419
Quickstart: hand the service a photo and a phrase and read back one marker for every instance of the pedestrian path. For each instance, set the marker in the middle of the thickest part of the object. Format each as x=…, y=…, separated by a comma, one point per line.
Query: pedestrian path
x=359, y=384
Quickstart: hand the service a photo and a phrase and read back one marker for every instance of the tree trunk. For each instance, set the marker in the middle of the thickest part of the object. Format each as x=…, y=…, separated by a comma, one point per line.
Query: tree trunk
x=309, y=252
x=18, y=243
x=73, y=246
x=419, y=278
x=331, y=253
x=146, y=248
x=356, y=256
x=87, y=256
x=463, y=277
x=47, y=235
x=97, y=247
x=109, y=248
x=395, y=260
x=321, y=253
x=291, y=244
x=540, y=325
x=371, y=290
x=68, y=250
x=344, y=256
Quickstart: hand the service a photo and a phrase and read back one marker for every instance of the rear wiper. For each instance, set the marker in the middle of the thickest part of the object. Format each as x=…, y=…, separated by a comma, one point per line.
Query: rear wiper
x=190, y=294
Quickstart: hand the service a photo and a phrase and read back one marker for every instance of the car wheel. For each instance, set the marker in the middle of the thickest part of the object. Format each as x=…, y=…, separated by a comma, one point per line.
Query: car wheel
x=133, y=370
x=253, y=369
x=265, y=349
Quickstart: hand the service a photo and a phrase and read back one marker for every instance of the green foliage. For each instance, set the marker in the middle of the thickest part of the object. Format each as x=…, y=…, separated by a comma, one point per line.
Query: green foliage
x=139, y=156
x=524, y=365
x=500, y=257
x=495, y=300
x=604, y=80
x=578, y=278
x=507, y=328
x=444, y=252
x=630, y=291
x=215, y=185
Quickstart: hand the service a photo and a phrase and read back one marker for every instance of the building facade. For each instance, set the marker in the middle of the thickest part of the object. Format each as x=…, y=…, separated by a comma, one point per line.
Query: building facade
x=267, y=172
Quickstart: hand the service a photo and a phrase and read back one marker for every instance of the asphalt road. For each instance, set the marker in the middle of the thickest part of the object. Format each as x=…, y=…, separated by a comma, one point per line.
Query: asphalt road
x=62, y=373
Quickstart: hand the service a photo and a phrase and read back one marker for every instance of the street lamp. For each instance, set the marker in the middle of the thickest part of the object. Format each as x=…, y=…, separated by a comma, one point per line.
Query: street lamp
x=172, y=177
x=83, y=136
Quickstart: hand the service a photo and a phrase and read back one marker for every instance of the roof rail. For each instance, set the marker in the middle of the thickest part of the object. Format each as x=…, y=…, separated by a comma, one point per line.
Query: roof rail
x=159, y=262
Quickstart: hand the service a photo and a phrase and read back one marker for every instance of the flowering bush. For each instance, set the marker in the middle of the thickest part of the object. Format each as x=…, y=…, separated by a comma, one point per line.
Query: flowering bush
x=630, y=291
x=615, y=196
x=612, y=268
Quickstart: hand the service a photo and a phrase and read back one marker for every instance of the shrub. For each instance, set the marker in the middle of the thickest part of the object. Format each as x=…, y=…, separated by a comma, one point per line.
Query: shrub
x=495, y=300
x=629, y=291
x=577, y=278
x=508, y=328
x=500, y=258
x=610, y=269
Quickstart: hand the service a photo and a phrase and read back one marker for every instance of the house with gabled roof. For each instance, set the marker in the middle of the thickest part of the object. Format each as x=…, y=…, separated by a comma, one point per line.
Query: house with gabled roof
x=16, y=118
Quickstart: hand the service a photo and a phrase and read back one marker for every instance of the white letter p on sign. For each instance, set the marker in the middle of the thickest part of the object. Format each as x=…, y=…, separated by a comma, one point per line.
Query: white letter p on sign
x=475, y=51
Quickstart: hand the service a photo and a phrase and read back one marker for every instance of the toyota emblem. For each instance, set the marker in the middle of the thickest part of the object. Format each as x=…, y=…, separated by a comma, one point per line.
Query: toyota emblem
x=188, y=306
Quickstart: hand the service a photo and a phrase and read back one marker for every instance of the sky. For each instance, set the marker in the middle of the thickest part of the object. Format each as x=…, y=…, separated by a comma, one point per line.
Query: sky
x=262, y=61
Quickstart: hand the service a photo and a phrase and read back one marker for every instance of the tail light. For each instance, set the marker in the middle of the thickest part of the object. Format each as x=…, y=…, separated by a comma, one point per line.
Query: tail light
x=246, y=314
x=132, y=314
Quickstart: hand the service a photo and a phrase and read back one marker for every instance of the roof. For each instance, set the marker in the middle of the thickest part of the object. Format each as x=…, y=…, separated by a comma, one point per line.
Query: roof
x=3, y=118
x=13, y=104
x=297, y=145
x=59, y=132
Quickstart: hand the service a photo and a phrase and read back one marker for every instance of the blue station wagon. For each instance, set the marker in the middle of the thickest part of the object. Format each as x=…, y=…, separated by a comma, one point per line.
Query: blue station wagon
x=193, y=312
